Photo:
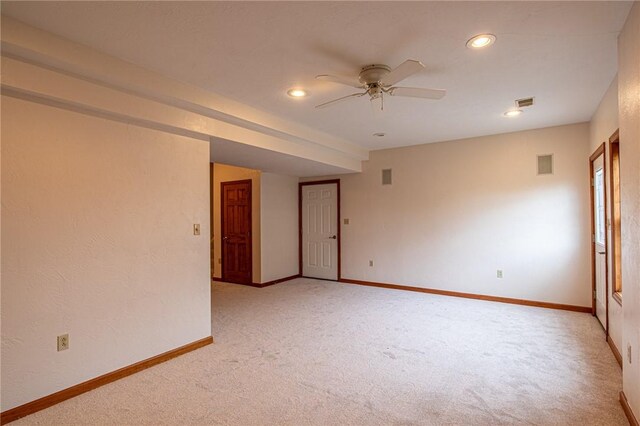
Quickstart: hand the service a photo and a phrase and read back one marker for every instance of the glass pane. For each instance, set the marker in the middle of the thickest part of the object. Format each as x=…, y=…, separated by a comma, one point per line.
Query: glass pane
x=599, y=195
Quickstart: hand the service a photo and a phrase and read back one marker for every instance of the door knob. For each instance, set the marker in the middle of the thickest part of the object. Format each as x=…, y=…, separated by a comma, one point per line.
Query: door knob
x=334, y=237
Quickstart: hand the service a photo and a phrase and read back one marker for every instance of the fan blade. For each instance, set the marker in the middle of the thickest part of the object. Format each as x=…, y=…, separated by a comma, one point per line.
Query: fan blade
x=344, y=98
x=414, y=92
x=347, y=81
x=402, y=71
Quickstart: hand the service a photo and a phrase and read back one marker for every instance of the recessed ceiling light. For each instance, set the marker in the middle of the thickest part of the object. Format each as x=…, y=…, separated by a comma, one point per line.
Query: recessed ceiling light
x=297, y=93
x=378, y=135
x=513, y=113
x=480, y=41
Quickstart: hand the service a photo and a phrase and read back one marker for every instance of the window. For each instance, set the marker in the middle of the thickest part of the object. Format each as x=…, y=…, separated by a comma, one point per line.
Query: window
x=599, y=189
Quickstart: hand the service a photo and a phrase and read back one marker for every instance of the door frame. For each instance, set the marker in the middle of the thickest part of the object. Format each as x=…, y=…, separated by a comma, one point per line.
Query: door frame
x=212, y=241
x=222, y=268
x=318, y=182
x=613, y=140
x=601, y=150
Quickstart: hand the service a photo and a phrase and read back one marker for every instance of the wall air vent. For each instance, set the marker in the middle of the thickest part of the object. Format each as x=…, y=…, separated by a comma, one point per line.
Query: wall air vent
x=386, y=176
x=526, y=102
x=545, y=164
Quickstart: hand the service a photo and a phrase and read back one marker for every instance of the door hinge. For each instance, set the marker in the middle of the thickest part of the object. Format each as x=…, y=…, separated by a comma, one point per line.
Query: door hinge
x=592, y=182
x=593, y=238
x=595, y=294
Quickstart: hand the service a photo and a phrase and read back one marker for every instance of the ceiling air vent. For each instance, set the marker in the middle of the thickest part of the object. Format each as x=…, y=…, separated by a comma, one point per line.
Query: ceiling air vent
x=526, y=102
x=545, y=164
x=386, y=176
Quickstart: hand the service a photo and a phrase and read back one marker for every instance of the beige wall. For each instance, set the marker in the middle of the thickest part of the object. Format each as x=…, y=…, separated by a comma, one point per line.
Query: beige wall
x=629, y=105
x=279, y=216
x=97, y=242
x=458, y=211
x=605, y=120
x=603, y=124
x=226, y=173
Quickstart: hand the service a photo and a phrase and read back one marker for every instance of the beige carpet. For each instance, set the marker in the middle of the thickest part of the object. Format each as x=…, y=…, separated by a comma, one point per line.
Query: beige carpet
x=323, y=353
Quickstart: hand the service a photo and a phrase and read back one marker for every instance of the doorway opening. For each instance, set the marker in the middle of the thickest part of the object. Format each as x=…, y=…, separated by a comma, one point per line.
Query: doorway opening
x=614, y=185
x=599, y=272
x=319, y=239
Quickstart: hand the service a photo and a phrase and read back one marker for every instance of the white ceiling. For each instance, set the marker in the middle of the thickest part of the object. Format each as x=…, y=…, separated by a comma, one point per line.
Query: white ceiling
x=563, y=53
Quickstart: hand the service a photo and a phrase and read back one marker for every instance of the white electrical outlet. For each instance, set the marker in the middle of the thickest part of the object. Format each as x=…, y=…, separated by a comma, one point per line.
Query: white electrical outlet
x=371, y=263
x=63, y=342
x=499, y=273
x=346, y=221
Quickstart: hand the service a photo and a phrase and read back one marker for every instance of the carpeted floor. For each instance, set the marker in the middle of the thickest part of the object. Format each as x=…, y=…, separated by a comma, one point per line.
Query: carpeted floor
x=315, y=352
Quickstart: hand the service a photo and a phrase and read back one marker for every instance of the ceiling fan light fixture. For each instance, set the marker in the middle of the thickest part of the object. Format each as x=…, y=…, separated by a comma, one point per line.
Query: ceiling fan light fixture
x=378, y=80
x=481, y=40
x=513, y=113
x=379, y=135
x=377, y=103
x=297, y=93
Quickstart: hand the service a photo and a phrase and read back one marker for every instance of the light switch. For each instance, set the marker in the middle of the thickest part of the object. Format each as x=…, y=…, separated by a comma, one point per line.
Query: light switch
x=346, y=221
x=196, y=229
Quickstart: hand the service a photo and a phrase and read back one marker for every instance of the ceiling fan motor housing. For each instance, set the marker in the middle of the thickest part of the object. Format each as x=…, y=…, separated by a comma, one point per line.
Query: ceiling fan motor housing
x=371, y=74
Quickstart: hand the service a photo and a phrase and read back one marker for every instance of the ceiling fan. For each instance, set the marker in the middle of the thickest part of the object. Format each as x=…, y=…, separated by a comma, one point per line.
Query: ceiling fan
x=377, y=80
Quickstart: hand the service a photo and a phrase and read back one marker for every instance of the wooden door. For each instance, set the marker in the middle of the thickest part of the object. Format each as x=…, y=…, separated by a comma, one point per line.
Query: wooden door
x=236, y=231
x=320, y=231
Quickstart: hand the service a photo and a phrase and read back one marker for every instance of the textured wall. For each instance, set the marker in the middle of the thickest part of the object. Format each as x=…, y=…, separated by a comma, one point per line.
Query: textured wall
x=605, y=120
x=279, y=205
x=97, y=242
x=458, y=211
x=226, y=173
x=603, y=123
x=629, y=105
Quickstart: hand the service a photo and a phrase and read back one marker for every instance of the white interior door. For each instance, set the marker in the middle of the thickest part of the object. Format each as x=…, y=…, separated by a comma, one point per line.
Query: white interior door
x=320, y=231
x=599, y=239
